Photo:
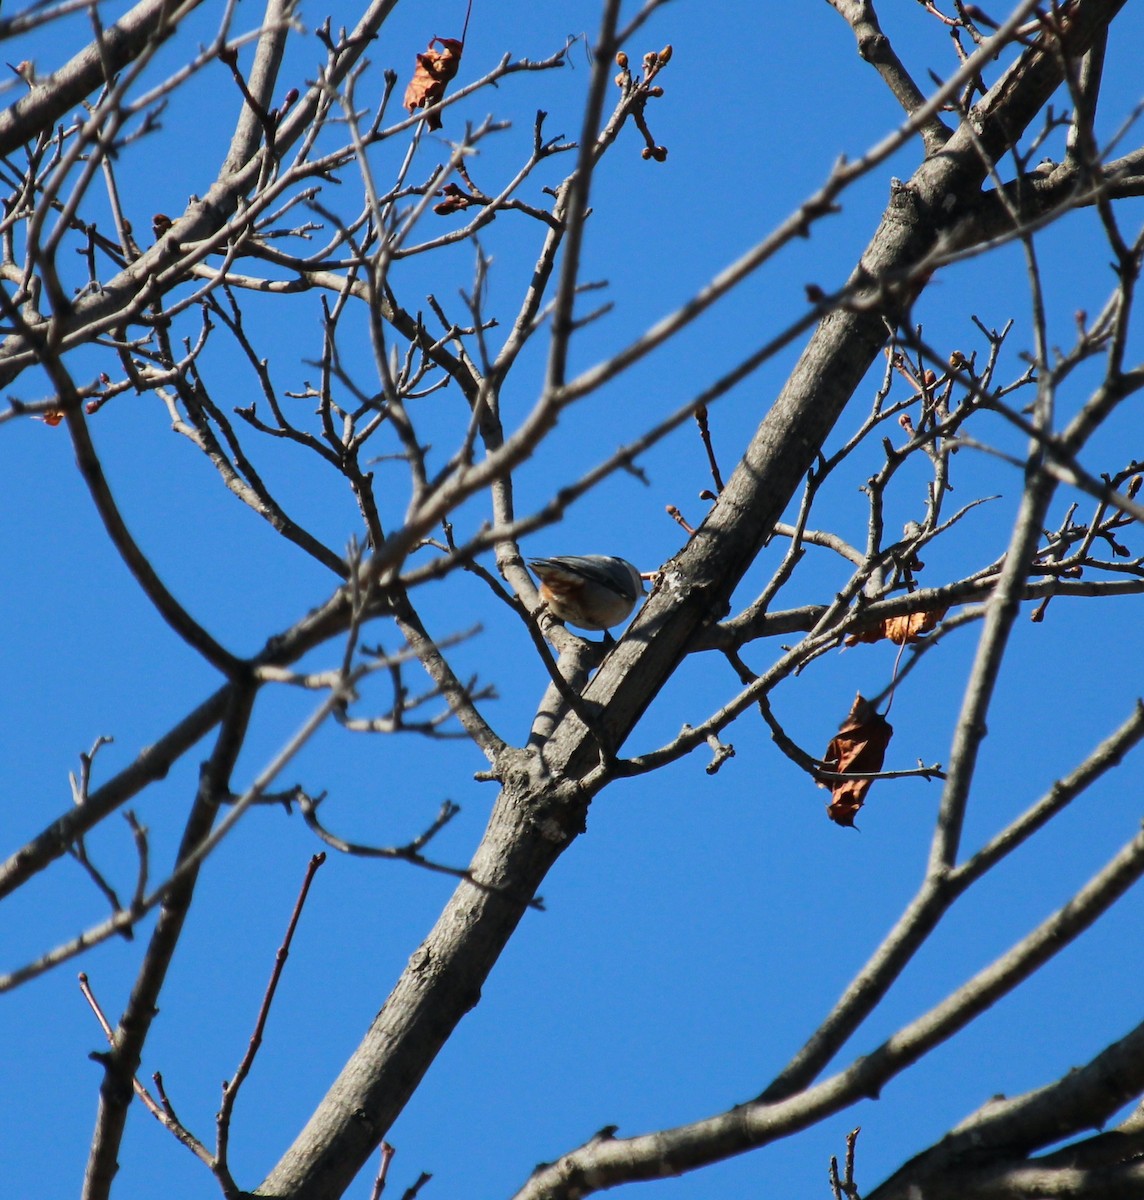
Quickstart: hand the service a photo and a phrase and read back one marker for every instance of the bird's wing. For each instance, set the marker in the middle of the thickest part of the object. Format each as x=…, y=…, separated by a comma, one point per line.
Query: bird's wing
x=609, y=572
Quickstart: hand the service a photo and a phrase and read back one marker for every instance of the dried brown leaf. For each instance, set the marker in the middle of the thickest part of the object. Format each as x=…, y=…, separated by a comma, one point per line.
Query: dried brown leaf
x=910, y=628
x=899, y=630
x=860, y=746
x=434, y=70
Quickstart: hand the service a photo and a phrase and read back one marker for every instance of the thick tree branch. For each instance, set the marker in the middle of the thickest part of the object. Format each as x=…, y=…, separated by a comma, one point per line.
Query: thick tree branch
x=875, y=48
x=148, y=23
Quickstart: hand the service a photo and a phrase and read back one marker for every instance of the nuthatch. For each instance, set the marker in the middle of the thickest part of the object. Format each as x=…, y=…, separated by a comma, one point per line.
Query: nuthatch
x=593, y=591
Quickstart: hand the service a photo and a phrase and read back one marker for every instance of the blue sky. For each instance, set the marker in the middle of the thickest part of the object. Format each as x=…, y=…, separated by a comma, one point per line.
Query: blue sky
x=696, y=934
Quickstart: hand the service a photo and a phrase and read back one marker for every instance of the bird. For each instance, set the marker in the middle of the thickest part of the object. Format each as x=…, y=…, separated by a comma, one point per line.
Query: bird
x=591, y=591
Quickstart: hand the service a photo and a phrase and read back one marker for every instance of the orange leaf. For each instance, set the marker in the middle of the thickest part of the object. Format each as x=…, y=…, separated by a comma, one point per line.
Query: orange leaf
x=52, y=418
x=901, y=630
x=860, y=745
x=434, y=70
x=898, y=629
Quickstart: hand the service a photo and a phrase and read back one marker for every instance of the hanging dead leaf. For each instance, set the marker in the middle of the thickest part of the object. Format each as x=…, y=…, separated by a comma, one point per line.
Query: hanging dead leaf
x=434, y=70
x=860, y=745
x=53, y=418
x=910, y=628
x=899, y=630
